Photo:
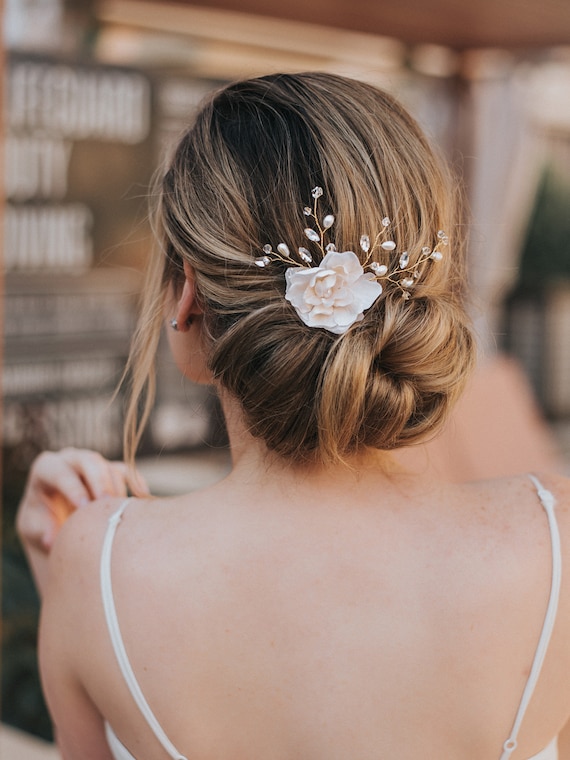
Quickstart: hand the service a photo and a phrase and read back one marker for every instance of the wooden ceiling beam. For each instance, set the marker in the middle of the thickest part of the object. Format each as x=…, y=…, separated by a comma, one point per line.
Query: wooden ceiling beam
x=458, y=24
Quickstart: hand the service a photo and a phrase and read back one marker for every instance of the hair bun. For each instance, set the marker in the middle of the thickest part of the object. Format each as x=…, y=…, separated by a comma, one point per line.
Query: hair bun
x=238, y=182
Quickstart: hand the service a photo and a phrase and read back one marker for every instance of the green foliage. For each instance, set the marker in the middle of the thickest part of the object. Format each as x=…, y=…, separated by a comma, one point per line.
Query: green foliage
x=546, y=252
x=23, y=704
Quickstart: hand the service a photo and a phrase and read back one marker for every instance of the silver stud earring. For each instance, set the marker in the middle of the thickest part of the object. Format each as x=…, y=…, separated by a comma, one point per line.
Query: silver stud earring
x=174, y=324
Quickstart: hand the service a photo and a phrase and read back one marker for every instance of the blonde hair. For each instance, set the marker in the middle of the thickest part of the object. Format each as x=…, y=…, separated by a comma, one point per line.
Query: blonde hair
x=239, y=179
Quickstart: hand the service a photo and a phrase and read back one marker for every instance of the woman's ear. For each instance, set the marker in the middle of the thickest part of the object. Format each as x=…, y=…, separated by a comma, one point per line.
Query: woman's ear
x=187, y=305
x=186, y=339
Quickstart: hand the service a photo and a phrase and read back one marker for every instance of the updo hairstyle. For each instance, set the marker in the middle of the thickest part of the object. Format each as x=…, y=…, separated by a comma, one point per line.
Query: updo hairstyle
x=239, y=179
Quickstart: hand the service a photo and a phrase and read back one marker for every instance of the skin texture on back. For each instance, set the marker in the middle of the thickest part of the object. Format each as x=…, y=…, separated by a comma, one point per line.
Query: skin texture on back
x=297, y=636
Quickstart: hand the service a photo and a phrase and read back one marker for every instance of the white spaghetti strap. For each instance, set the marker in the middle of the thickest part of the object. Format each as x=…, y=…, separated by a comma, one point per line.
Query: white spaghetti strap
x=548, y=502
x=117, y=639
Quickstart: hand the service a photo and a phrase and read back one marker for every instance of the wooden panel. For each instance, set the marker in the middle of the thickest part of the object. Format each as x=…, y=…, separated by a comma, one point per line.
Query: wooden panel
x=459, y=24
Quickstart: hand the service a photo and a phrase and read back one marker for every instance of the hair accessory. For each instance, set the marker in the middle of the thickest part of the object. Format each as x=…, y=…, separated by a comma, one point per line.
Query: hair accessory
x=336, y=293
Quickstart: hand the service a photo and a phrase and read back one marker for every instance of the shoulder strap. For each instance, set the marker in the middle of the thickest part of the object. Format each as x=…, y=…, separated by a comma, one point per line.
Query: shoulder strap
x=548, y=502
x=117, y=639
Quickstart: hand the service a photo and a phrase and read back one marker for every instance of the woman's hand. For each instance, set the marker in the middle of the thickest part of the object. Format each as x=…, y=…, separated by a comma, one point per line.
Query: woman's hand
x=60, y=483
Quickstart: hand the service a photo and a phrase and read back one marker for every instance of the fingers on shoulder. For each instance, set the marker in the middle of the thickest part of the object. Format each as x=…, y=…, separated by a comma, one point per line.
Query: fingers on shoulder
x=100, y=476
x=79, y=475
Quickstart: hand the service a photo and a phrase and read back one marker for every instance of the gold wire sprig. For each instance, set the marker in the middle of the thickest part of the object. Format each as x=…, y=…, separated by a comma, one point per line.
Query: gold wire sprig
x=403, y=277
x=381, y=273
x=283, y=252
x=328, y=221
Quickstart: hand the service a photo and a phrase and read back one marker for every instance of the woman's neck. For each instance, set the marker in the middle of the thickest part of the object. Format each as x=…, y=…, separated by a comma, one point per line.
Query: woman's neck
x=255, y=464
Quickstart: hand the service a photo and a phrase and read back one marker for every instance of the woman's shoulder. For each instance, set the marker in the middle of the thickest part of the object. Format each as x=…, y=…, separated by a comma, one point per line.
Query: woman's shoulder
x=508, y=517
x=76, y=552
x=559, y=487
x=504, y=522
x=73, y=591
x=83, y=530
x=71, y=607
x=523, y=490
x=80, y=540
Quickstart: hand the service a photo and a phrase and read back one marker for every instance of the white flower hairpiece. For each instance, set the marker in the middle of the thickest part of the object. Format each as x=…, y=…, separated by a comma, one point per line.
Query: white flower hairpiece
x=336, y=293
x=333, y=295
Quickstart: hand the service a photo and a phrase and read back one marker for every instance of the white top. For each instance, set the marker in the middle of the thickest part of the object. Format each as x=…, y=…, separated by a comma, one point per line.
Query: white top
x=120, y=752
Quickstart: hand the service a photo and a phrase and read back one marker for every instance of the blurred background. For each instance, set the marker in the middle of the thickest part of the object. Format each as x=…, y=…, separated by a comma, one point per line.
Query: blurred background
x=96, y=93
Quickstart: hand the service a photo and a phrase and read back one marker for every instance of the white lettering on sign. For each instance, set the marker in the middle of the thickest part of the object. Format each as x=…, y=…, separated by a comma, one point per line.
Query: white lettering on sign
x=92, y=423
x=59, y=376
x=36, y=167
x=53, y=237
x=51, y=312
x=77, y=103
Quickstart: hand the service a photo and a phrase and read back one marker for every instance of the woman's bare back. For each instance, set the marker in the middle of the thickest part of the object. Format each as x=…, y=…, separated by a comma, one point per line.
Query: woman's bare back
x=397, y=620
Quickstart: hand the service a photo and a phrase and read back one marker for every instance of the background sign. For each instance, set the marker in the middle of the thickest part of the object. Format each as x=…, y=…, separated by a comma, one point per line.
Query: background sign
x=79, y=156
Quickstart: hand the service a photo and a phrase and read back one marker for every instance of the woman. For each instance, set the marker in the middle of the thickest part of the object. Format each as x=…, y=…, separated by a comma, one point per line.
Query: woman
x=319, y=602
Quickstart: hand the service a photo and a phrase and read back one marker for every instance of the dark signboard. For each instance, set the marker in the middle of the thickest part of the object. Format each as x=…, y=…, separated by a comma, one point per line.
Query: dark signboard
x=82, y=142
x=79, y=156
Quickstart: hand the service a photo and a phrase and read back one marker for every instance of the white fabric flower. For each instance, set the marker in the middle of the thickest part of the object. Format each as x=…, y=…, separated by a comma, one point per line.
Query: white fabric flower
x=333, y=295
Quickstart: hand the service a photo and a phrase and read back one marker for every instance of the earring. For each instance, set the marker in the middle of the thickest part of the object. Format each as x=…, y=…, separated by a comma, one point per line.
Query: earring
x=174, y=323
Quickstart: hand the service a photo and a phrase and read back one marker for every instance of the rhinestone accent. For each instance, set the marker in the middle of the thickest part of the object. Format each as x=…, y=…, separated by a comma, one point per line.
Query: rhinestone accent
x=404, y=260
x=379, y=269
x=316, y=192
x=312, y=235
x=305, y=255
x=365, y=243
